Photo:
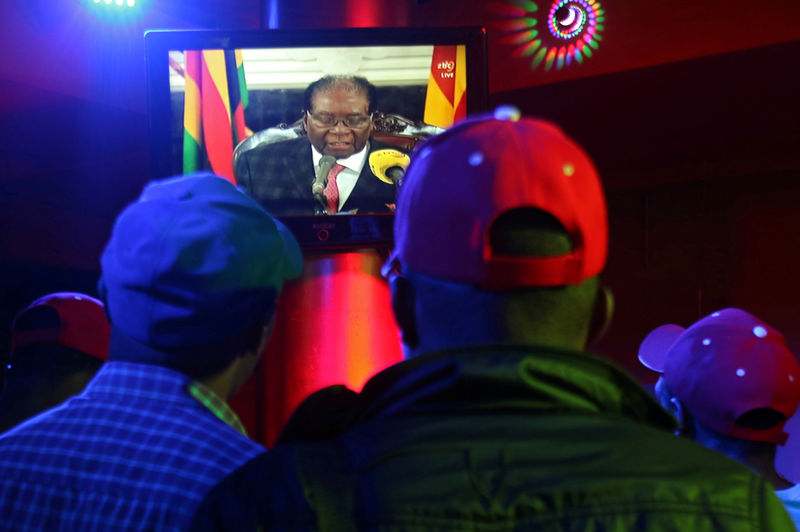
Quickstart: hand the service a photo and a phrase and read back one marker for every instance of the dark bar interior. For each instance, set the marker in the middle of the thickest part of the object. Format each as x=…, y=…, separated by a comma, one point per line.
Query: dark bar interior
x=690, y=111
x=421, y=361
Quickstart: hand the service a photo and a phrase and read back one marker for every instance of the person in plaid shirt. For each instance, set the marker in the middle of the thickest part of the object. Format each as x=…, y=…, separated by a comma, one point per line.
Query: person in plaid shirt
x=190, y=279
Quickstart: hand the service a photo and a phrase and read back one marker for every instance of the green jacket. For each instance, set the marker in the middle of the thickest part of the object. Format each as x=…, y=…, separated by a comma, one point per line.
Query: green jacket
x=498, y=438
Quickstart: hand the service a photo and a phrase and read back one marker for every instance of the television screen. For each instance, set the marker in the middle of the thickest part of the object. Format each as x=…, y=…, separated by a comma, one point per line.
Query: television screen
x=316, y=125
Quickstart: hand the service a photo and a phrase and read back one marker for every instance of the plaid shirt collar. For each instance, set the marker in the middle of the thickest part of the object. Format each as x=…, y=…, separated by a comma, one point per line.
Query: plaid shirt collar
x=218, y=407
x=158, y=383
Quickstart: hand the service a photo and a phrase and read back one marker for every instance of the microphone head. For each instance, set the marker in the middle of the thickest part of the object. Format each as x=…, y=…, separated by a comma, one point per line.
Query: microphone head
x=382, y=161
x=326, y=162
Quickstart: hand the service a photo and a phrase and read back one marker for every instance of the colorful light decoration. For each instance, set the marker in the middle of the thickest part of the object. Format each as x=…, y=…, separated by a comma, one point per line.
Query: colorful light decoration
x=121, y=3
x=117, y=12
x=574, y=31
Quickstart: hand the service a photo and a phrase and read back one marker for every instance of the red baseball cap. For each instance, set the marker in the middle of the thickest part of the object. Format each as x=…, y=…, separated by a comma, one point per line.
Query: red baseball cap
x=78, y=322
x=460, y=181
x=725, y=365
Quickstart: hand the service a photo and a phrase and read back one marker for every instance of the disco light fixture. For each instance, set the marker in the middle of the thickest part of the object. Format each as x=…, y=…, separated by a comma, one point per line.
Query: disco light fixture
x=116, y=12
x=573, y=31
x=115, y=3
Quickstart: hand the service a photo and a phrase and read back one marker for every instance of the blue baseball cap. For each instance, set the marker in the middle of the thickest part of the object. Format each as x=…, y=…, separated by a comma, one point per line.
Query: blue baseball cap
x=194, y=261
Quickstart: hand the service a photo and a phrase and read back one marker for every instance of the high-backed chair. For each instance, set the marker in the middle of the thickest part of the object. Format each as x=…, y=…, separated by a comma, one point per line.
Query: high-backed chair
x=392, y=129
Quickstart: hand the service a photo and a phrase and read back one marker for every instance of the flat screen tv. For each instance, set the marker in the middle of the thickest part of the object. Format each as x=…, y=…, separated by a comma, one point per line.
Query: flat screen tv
x=215, y=94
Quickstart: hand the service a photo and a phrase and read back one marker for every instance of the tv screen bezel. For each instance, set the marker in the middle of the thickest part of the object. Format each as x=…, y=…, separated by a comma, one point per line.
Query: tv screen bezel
x=312, y=232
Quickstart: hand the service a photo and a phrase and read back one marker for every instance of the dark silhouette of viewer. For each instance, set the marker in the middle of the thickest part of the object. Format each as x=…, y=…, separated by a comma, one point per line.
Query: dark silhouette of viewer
x=734, y=387
x=190, y=279
x=58, y=343
x=497, y=420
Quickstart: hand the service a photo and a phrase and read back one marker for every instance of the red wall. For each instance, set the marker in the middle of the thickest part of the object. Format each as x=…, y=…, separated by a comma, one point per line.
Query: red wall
x=637, y=33
x=701, y=167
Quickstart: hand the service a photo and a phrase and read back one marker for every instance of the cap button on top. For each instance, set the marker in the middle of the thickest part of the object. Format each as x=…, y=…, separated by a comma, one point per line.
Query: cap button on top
x=507, y=112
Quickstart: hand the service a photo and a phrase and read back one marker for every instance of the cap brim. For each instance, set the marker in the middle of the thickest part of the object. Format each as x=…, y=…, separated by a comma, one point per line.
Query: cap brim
x=787, y=456
x=293, y=265
x=653, y=349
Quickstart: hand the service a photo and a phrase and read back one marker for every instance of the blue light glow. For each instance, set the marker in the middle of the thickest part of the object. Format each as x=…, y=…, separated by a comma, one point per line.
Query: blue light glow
x=507, y=112
x=476, y=158
x=759, y=331
x=115, y=11
x=114, y=4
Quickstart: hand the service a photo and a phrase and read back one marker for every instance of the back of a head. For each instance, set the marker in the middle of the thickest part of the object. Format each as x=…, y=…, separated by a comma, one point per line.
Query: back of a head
x=58, y=343
x=501, y=225
x=191, y=269
x=737, y=380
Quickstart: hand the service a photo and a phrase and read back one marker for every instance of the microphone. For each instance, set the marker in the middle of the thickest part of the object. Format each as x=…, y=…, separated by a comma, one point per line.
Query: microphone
x=389, y=165
x=321, y=179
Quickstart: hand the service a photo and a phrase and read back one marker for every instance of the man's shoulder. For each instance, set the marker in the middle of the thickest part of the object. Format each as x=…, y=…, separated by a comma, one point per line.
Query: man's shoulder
x=324, y=414
x=294, y=145
x=139, y=406
x=161, y=454
x=116, y=462
x=592, y=467
x=599, y=475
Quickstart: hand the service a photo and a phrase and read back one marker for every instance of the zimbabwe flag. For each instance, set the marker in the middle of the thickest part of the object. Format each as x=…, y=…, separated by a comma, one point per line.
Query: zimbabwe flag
x=446, y=99
x=213, y=110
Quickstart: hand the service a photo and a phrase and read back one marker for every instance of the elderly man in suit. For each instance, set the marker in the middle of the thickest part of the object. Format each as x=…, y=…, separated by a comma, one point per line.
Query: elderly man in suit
x=334, y=152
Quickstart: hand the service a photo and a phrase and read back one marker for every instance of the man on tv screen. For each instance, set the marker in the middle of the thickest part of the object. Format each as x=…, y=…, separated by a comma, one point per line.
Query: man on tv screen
x=327, y=170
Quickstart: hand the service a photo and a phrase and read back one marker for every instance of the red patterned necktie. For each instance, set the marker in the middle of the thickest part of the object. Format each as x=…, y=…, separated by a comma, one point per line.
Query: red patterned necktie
x=331, y=191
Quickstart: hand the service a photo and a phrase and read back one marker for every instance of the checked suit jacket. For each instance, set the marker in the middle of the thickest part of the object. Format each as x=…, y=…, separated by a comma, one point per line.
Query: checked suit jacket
x=279, y=176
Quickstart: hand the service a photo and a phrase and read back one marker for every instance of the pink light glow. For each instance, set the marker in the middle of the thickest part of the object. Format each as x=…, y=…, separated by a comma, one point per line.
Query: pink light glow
x=363, y=14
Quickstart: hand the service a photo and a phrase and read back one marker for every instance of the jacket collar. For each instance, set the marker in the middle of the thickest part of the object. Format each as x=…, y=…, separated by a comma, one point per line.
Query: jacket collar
x=537, y=378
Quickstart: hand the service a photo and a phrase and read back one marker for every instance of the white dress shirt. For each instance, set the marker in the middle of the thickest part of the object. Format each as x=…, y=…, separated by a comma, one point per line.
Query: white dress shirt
x=346, y=180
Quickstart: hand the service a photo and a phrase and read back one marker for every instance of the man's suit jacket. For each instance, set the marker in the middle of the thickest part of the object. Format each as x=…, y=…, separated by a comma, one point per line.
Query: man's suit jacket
x=279, y=176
